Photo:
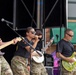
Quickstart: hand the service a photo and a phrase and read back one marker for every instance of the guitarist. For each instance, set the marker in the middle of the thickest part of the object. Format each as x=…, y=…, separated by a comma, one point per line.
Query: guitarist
x=64, y=50
x=4, y=66
x=38, y=68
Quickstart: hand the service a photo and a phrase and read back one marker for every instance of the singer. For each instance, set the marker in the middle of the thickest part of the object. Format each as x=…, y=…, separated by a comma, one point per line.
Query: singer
x=21, y=61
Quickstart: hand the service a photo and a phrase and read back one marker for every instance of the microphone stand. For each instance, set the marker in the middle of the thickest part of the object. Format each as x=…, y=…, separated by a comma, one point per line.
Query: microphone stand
x=21, y=37
x=8, y=22
x=24, y=39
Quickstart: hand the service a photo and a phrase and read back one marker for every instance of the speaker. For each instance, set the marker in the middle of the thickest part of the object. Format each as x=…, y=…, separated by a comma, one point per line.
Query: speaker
x=49, y=70
x=48, y=60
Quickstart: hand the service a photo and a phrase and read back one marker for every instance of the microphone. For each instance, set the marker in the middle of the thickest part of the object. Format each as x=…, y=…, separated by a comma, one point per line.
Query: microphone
x=3, y=20
x=57, y=36
x=40, y=38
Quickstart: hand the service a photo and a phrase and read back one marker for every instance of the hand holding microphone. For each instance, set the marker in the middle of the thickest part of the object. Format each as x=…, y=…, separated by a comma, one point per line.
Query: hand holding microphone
x=36, y=38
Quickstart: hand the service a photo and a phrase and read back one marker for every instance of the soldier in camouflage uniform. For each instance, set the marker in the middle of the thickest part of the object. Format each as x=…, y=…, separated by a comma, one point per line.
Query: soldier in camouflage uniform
x=64, y=50
x=4, y=66
x=38, y=68
x=19, y=63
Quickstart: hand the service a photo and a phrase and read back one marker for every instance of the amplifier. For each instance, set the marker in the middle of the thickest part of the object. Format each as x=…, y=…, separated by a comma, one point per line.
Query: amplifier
x=48, y=60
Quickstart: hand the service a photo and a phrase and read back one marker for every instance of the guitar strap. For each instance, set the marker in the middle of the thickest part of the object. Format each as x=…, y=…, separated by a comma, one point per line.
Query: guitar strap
x=1, y=53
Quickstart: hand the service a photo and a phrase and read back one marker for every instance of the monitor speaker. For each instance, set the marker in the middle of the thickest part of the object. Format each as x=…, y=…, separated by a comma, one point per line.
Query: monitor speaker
x=48, y=60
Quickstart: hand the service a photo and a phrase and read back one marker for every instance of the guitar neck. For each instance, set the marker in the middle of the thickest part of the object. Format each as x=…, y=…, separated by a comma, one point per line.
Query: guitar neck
x=6, y=44
x=46, y=46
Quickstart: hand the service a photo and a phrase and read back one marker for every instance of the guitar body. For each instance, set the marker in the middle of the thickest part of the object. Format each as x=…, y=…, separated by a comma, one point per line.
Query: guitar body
x=70, y=66
x=38, y=59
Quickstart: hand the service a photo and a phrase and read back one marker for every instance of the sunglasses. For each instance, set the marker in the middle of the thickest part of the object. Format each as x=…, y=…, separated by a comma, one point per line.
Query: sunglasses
x=33, y=32
x=69, y=35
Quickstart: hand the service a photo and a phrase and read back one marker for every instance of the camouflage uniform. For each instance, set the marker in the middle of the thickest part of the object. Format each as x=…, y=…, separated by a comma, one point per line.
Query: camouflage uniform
x=19, y=66
x=65, y=72
x=38, y=69
x=4, y=67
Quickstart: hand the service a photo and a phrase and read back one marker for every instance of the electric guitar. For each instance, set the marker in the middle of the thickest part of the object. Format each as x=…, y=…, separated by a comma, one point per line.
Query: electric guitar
x=70, y=66
x=40, y=58
x=9, y=43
